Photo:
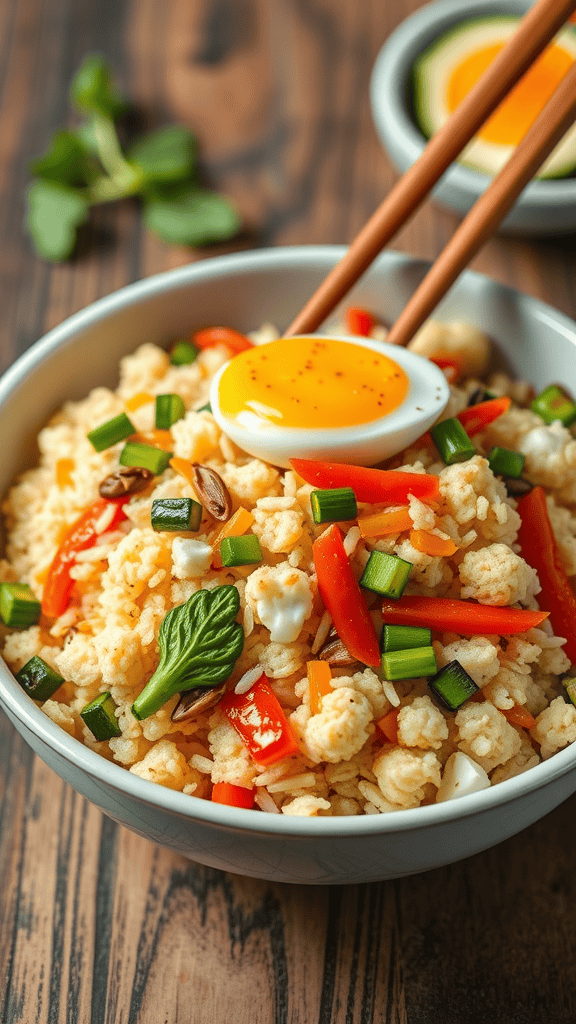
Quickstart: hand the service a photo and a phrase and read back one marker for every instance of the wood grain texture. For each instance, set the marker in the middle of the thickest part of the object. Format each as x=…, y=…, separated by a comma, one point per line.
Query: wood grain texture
x=98, y=925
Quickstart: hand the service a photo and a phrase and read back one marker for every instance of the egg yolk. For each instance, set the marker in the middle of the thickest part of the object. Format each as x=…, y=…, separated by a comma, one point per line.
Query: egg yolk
x=311, y=382
x=512, y=119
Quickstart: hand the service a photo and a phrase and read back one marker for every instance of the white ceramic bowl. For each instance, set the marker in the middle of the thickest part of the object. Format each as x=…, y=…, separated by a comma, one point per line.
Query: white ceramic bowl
x=544, y=208
x=244, y=290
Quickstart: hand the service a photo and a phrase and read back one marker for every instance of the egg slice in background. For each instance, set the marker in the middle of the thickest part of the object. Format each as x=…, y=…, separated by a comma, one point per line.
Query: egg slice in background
x=337, y=398
x=446, y=72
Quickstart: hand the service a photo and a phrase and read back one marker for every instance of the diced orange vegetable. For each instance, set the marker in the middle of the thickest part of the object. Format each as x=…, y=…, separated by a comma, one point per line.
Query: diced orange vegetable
x=319, y=682
x=517, y=715
x=211, y=336
x=142, y=398
x=157, y=438
x=64, y=469
x=359, y=321
x=238, y=524
x=476, y=417
x=183, y=467
x=388, y=725
x=234, y=796
x=380, y=524
x=431, y=544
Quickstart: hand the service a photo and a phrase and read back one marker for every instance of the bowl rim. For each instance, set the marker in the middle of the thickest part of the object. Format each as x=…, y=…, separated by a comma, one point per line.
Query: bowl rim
x=390, y=83
x=118, y=778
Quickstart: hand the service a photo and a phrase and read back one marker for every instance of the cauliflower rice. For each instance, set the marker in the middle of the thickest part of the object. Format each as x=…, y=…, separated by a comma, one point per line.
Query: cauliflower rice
x=107, y=639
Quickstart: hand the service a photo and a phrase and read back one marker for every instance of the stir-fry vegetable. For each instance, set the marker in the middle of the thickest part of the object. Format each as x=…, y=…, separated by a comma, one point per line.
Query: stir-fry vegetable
x=175, y=514
x=554, y=404
x=343, y=598
x=168, y=409
x=452, y=441
x=235, y=342
x=233, y=796
x=462, y=617
x=453, y=686
x=99, y=716
x=409, y=664
x=370, y=485
x=111, y=432
x=39, y=680
x=359, y=321
x=19, y=607
x=260, y=722
x=476, y=417
x=386, y=574
x=333, y=505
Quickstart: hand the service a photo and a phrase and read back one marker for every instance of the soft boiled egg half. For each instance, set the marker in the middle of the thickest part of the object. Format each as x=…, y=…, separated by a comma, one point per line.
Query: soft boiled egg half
x=334, y=397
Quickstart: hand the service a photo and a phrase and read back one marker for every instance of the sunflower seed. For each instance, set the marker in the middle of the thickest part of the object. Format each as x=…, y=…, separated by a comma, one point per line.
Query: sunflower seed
x=129, y=480
x=212, y=492
x=194, y=702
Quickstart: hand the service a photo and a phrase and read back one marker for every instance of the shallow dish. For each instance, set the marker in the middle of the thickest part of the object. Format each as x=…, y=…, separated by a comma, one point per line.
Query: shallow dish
x=544, y=208
x=244, y=290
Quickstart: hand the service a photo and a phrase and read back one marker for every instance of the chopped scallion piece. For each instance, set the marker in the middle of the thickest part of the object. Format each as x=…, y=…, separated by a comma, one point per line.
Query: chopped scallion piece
x=453, y=686
x=169, y=408
x=452, y=441
x=333, y=506
x=145, y=455
x=411, y=664
x=205, y=408
x=18, y=606
x=39, y=680
x=176, y=514
x=99, y=716
x=505, y=462
x=111, y=432
x=554, y=404
x=570, y=687
x=385, y=574
x=183, y=353
x=244, y=550
x=404, y=638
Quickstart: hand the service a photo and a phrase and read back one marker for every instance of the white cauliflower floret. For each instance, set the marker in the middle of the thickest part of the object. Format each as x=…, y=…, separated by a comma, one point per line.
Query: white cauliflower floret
x=281, y=599
x=461, y=776
x=278, y=523
x=190, y=558
x=472, y=493
x=555, y=727
x=421, y=724
x=477, y=656
x=496, y=575
x=485, y=735
x=341, y=728
x=404, y=775
x=232, y=762
x=163, y=764
x=466, y=343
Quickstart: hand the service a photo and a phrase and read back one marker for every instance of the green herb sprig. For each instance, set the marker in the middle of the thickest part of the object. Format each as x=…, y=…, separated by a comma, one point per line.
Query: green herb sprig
x=199, y=644
x=86, y=167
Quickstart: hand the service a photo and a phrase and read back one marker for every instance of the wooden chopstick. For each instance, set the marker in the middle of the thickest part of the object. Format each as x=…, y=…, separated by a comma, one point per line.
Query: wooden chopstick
x=535, y=31
x=490, y=209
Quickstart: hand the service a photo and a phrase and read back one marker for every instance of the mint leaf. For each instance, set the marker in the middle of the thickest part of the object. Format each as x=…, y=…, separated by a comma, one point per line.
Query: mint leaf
x=65, y=161
x=53, y=214
x=199, y=644
x=168, y=154
x=93, y=91
x=190, y=216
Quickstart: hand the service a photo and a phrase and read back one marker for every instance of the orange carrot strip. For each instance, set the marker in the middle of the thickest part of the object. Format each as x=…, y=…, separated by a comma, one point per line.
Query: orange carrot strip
x=389, y=725
x=183, y=467
x=319, y=682
x=64, y=469
x=431, y=544
x=517, y=715
x=394, y=520
x=142, y=398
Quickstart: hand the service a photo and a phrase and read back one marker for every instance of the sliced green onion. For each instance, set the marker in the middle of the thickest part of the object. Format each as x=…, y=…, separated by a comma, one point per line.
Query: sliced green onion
x=421, y=661
x=505, y=462
x=145, y=455
x=39, y=680
x=205, y=408
x=169, y=408
x=18, y=606
x=99, y=716
x=554, y=404
x=176, y=514
x=452, y=441
x=570, y=687
x=111, y=432
x=183, y=353
x=404, y=638
x=244, y=550
x=452, y=685
x=333, y=506
x=385, y=574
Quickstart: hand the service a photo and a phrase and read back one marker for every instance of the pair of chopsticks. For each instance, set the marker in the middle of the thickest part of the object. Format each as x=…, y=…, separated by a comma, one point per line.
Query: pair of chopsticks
x=535, y=31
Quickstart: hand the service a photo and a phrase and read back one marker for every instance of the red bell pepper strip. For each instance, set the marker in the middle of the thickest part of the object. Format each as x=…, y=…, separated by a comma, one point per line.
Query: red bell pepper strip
x=81, y=535
x=359, y=321
x=234, y=796
x=260, y=723
x=450, y=366
x=540, y=550
x=370, y=485
x=476, y=417
x=343, y=598
x=211, y=336
x=463, y=617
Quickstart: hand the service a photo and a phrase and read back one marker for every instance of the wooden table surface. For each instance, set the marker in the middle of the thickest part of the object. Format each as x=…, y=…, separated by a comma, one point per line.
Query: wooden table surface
x=98, y=925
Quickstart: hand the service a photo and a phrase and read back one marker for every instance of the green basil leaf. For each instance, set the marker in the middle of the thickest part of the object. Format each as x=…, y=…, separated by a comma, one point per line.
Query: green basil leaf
x=65, y=161
x=53, y=214
x=168, y=154
x=199, y=644
x=190, y=216
x=93, y=91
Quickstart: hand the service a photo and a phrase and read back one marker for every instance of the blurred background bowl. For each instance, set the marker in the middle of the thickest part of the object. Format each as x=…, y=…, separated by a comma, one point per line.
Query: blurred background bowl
x=245, y=290
x=544, y=208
